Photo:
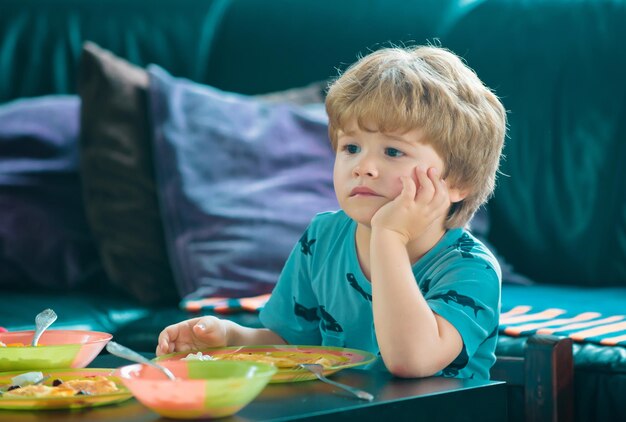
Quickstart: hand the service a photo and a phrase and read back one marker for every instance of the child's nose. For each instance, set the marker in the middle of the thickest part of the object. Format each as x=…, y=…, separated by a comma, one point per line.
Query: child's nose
x=365, y=167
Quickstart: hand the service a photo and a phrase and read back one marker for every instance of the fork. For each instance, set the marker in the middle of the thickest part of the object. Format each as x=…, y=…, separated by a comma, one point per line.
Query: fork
x=318, y=370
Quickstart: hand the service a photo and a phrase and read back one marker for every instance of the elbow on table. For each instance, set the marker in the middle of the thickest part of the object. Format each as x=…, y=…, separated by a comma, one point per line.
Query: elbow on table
x=403, y=369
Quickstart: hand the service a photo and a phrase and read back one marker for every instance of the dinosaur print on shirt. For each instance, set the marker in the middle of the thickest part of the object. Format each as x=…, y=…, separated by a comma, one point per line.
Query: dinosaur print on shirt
x=355, y=285
x=465, y=244
x=330, y=323
x=453, y=296
x=306, y=244
x=309, y=314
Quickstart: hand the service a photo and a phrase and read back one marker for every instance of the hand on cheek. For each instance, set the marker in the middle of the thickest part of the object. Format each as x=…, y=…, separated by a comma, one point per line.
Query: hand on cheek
x=436, y=196
x=423, y=200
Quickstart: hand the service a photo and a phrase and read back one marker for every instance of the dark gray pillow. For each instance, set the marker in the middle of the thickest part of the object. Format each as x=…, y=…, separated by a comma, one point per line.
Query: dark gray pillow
x=118, y=177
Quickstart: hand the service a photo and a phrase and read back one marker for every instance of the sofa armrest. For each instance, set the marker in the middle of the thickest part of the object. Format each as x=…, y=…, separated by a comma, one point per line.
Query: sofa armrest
x=546, y=374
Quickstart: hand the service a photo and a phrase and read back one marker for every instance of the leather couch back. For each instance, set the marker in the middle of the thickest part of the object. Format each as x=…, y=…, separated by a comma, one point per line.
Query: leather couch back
x=559, y=214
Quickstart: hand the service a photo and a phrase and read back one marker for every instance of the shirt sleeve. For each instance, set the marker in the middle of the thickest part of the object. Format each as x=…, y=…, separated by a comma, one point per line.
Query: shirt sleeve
x=292, y=310
x=467, y=294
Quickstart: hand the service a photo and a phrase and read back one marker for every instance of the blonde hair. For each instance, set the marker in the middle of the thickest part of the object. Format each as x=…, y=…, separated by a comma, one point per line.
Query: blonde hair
x=430, y=88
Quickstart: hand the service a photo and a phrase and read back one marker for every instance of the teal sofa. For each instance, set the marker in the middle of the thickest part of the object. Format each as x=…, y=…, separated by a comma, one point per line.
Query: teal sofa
x=557, y=220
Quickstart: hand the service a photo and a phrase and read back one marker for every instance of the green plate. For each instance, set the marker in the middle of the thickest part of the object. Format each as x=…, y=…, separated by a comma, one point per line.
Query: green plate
x=340, y=358
x=75, y=402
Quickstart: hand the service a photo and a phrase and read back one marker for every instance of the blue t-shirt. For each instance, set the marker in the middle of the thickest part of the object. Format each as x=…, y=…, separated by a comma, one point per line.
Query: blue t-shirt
x=323, y=298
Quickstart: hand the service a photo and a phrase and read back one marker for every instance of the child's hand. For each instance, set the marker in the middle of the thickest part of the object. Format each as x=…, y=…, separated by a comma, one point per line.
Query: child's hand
x=193, y=334
x=414, y=210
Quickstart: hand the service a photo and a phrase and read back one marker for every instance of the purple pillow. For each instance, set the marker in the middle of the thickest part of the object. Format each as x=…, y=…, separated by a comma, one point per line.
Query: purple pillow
x=239, y=180
x=44, y=238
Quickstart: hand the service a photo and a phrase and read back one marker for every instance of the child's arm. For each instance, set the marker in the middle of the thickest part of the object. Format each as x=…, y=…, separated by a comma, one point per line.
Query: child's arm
x=414, y=341
x=209, y=331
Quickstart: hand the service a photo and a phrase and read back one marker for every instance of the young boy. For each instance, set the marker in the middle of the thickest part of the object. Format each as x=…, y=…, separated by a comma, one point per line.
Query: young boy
x=418, y=139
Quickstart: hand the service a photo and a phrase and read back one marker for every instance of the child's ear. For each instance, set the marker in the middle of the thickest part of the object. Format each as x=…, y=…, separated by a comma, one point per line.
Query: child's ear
x=457, y=195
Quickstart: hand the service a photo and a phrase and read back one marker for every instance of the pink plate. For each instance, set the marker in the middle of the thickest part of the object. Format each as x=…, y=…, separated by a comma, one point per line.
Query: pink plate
x=56, y=349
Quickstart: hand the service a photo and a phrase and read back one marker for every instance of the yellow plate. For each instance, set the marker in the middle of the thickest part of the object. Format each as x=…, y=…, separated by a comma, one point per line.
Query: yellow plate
x=75, y=402
x=339, y=357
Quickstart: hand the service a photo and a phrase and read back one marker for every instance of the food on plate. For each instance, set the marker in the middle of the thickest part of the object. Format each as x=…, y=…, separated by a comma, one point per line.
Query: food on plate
x=281, y=361
x=92, y=385
x=89, y=385
x=14, y=344
x=39, y=390
x=18, y=344
x=197, y=356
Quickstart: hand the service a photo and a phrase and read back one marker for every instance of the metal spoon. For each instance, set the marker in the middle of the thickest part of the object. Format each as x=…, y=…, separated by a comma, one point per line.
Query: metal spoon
x=126, y=353
x=318, y=370
x=42, y=321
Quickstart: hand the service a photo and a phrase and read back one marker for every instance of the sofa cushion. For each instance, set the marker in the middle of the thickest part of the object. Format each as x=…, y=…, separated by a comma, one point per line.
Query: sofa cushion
x=44, y=238
x=587, y=315
x=239, y=180
x=118, y=176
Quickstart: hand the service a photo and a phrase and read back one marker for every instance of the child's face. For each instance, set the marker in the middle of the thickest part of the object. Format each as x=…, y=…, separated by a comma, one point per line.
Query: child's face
x=369, y=164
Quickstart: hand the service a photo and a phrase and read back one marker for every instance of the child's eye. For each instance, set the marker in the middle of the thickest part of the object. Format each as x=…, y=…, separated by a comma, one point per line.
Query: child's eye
x=392, y=152
x=351, y=148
